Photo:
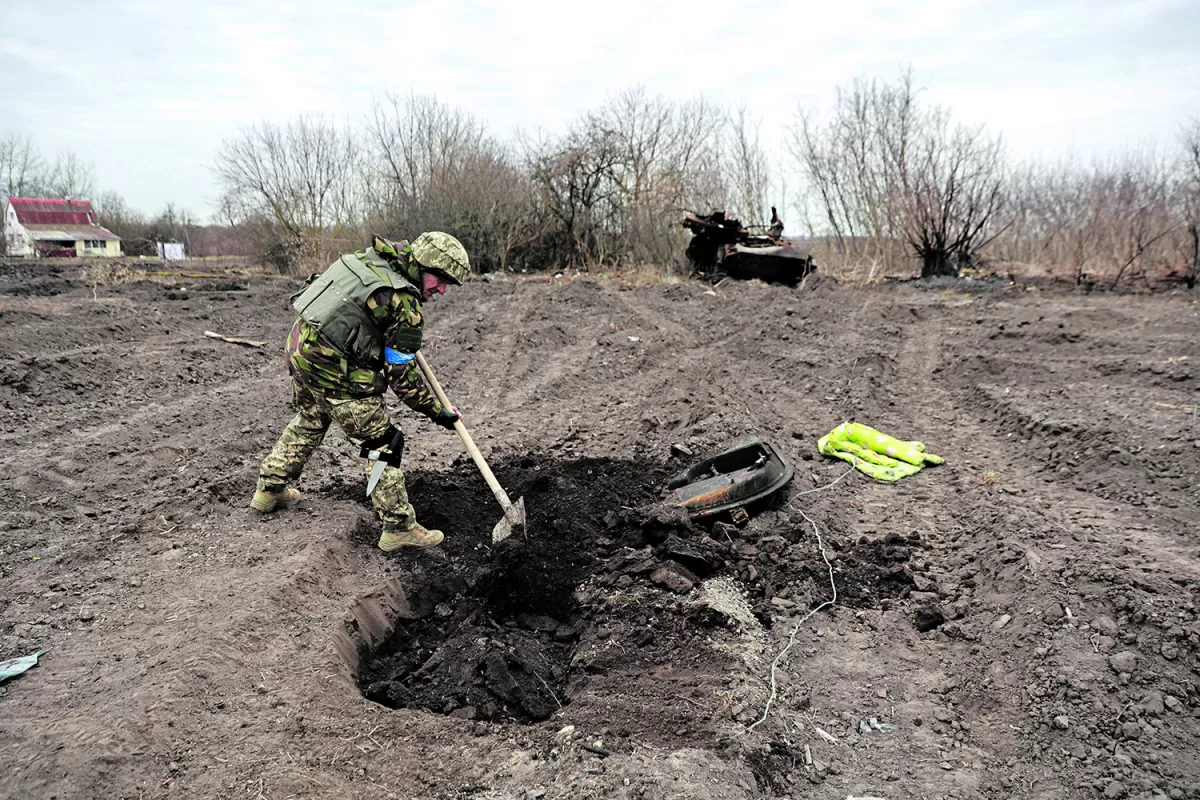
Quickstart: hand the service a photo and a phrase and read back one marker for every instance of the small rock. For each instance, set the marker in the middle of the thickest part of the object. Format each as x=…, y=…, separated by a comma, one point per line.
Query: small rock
x=689, y=554
x=1131, y=730
x=537, y=622
x=1062, y=722
x=86, y=614
x=1153, y=703
x=674, y=577
x=1105, y=626
x=568, y=633
x=565, y=734
x=173, y=766
x=1125, y=661
x=1114, y=789
x=681, y=450
x=1004, y=620
x=923, y=584
x=1173, y=704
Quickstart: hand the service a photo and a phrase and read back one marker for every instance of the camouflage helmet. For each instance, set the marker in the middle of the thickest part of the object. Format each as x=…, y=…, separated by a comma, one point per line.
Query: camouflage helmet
x=442, y=253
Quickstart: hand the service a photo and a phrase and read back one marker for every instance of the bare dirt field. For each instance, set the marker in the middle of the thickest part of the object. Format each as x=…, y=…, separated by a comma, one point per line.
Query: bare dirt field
x=1018, y=623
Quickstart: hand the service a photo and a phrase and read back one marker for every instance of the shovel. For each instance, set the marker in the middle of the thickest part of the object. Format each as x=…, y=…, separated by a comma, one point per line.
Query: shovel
x=514, y=513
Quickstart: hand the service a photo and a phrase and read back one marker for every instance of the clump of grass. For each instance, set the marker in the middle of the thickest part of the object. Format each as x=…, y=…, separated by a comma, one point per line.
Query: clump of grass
x=989, y=478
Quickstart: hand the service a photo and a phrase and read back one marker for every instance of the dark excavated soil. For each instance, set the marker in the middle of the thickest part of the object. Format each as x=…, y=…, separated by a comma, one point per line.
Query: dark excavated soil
x=494, y=638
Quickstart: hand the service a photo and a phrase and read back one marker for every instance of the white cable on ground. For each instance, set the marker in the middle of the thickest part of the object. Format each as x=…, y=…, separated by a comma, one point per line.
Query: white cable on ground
x=796, y=629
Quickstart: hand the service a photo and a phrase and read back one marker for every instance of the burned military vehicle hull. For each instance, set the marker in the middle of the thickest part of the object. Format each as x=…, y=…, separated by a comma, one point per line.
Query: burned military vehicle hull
x=722, y=246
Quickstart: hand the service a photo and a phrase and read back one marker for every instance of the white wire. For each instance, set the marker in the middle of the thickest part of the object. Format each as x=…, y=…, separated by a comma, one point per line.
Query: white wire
x=831, y=601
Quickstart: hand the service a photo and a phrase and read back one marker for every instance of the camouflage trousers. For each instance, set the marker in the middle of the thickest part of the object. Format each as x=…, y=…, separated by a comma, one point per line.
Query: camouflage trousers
x=361, y=419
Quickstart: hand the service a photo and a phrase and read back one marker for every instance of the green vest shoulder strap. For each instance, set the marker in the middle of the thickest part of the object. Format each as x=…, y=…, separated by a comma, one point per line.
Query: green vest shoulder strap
x=335, y=304
x=373, y=271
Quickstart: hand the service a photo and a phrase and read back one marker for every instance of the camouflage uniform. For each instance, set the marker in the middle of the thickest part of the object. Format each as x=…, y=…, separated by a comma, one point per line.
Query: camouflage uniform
x=327, y=388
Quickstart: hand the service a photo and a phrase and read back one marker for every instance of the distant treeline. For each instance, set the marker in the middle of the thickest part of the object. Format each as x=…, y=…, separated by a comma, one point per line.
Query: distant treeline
x=889, y=184
x=886, y=184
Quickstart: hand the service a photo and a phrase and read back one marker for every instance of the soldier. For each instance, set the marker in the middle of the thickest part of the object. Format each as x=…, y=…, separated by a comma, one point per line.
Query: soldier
x=358, y=329
x=776, y=229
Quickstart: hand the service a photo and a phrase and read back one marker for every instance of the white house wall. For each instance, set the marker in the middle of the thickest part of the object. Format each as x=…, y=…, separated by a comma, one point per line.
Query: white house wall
x=16, y=240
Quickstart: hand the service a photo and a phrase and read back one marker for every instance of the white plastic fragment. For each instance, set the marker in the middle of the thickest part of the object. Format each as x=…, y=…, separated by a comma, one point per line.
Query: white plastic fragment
x=16, y=666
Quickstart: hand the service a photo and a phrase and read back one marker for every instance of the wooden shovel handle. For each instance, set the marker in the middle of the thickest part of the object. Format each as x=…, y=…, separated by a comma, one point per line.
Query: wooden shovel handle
x=476, y=456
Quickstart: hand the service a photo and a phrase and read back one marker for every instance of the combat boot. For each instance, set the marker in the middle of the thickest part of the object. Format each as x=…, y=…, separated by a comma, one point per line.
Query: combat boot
x=266, y=502
x=417, y=536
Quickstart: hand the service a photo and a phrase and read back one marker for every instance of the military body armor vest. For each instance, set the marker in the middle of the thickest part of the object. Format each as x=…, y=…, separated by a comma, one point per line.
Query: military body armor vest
x=335, y=304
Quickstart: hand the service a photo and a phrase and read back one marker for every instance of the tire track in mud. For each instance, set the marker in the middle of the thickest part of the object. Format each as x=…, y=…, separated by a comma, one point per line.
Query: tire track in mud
x=949, y=740
x=1039, y=525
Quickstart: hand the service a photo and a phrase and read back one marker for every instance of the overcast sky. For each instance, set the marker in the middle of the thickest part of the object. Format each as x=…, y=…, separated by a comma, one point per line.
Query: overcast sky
x=148, y=90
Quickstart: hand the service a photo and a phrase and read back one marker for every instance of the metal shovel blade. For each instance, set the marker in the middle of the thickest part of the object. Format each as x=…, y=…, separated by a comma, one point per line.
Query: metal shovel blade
x=512, y=522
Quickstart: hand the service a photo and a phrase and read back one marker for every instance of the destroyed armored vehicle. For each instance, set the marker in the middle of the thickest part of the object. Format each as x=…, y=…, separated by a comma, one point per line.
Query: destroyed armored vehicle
x=723, y=246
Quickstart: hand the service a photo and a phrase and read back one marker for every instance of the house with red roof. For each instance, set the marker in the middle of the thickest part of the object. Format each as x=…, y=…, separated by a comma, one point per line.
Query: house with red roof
x=35, y=226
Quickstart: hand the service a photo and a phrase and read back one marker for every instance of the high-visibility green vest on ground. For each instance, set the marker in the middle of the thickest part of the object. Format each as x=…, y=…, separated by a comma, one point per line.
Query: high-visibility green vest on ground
x=335, y=304
x=883, y=457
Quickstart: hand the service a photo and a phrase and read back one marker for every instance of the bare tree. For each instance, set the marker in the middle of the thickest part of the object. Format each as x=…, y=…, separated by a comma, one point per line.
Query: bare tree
x=952, y=181
x=22, y=170
x=574, y=186
x=662, y=153
x=436, y=167
x=70, y=177
x=612, y=188
x=885, y=170
x=114, y=214
x=300, y=177
x=749, y=175
x=854, y=165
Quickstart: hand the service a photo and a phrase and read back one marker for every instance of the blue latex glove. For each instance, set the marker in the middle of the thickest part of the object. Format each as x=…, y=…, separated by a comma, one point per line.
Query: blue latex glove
x=396, y=357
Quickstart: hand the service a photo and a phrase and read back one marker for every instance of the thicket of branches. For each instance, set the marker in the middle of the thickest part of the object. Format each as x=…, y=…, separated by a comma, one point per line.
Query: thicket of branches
x=610, y=190
x=893, y=183
x=25, y=172
x=890, y=185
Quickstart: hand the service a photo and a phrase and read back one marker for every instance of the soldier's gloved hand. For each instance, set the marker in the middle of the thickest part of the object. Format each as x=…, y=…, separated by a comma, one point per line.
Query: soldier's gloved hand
x=447, y=417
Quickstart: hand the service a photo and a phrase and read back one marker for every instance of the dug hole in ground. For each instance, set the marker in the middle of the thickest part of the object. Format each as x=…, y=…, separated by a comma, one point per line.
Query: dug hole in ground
x=1019, y=622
